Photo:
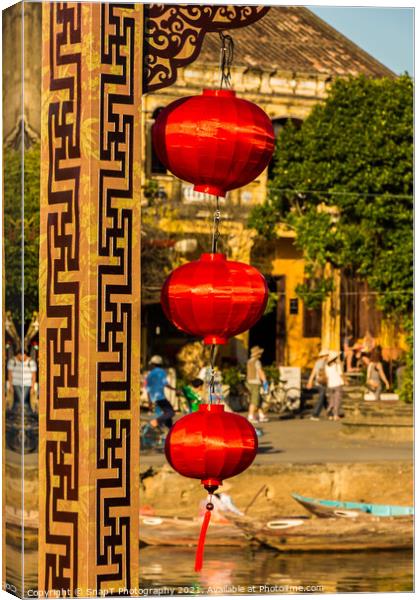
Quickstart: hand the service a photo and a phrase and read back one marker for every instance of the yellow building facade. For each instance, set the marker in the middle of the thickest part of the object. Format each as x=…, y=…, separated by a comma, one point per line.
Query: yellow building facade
x=285, y=64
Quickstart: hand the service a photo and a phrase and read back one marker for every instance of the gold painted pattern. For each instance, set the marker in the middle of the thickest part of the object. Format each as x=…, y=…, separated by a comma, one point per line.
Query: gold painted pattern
x=90, y=277
x=118, y=326
x=60, y=296
x=90, y=305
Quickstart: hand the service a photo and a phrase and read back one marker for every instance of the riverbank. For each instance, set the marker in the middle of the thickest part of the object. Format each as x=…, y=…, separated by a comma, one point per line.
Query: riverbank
x=313, y=458
x=168, y=493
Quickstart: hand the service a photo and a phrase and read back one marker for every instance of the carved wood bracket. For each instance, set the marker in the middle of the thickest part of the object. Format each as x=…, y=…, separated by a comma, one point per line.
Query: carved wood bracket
x=174, y=34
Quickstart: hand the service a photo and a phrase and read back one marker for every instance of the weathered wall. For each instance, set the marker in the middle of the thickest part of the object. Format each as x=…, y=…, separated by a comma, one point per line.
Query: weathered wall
x=281, y=95
x=288, y=261
x=169, y=493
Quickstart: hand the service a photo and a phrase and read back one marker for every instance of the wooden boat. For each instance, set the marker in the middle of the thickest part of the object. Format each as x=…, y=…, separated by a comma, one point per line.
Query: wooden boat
x=180, y=531
x=153, y=530
x=333, y=508
x=330, y=535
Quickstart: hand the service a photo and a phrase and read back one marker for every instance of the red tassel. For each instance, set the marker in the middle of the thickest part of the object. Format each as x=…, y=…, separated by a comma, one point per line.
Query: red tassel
x=201, y=541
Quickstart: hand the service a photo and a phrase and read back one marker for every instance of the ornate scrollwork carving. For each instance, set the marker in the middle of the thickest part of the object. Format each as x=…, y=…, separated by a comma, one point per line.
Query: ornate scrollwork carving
x=174, y=35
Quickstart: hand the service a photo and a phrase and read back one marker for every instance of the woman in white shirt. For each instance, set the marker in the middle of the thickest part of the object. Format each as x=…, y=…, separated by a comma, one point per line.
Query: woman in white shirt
x=335, y=383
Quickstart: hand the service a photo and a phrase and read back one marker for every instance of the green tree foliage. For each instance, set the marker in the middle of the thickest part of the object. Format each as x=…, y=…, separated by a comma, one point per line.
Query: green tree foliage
x=406, y=390
x=158, y=257
x=344, y=183
x=21, y=218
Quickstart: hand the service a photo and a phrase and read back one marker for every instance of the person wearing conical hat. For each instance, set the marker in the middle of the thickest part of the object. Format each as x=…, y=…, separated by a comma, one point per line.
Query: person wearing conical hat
x=255, y=377
x=318, y=382
x=335, y=383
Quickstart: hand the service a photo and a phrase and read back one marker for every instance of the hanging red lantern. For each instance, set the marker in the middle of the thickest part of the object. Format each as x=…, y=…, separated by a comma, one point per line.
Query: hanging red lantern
x=210, y=445
x=214, y=298
x=216, y=141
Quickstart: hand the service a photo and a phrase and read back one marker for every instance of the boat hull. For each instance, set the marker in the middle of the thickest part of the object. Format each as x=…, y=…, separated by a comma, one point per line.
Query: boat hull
x=327, y=509
x=331, y=535
x=176, y=531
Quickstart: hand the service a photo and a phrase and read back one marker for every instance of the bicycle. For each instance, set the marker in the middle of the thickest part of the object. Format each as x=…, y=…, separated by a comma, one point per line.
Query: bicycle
x=238, y=396
x=151, y=438
x=281, y=399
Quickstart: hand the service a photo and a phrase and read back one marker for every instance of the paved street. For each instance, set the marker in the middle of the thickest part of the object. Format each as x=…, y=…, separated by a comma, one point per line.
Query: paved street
x=305, y=441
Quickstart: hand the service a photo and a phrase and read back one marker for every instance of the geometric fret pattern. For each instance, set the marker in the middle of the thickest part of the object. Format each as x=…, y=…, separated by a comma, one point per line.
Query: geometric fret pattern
x=118, y=281
x=60, y=294
x=91, y=125
x=90, y=248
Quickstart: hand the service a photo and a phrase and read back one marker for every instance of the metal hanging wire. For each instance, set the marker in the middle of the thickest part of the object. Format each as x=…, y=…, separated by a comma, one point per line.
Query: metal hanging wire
x=213, y=352
x=216, y=223
x=226, y=59
x=213, y=349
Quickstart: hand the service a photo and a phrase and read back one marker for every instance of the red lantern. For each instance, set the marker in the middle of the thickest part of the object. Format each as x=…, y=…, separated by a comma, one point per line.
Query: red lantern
x=210, y=445
x=214, y=298
x=216, y=141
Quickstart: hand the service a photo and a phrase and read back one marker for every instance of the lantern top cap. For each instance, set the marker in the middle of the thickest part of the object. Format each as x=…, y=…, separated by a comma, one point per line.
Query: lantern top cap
x=213, y=256
x=219, y=93
x=213, y=408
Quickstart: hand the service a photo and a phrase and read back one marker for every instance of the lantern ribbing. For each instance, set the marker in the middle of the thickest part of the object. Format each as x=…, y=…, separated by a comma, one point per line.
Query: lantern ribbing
x=216, y=141
x=214, y=298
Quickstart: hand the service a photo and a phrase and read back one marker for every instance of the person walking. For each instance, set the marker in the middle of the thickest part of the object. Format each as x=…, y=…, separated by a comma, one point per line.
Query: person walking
x=156, y=382
x=335, y=383
x=255, y=377
x=318, y=381
x=375, y=375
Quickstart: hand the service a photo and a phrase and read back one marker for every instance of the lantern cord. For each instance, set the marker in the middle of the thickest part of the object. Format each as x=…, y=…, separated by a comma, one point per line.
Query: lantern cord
x=213, y=351
x=226, y=59
x=216, y=222
x=202, y=539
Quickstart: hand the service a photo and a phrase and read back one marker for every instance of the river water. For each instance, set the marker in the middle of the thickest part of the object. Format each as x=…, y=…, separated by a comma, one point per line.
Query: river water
x=253, y=570
x=236, y=570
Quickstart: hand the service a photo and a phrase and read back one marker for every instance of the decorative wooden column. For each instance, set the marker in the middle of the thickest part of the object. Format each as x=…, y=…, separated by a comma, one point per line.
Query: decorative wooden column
x=93, y=58
x=90, y=303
